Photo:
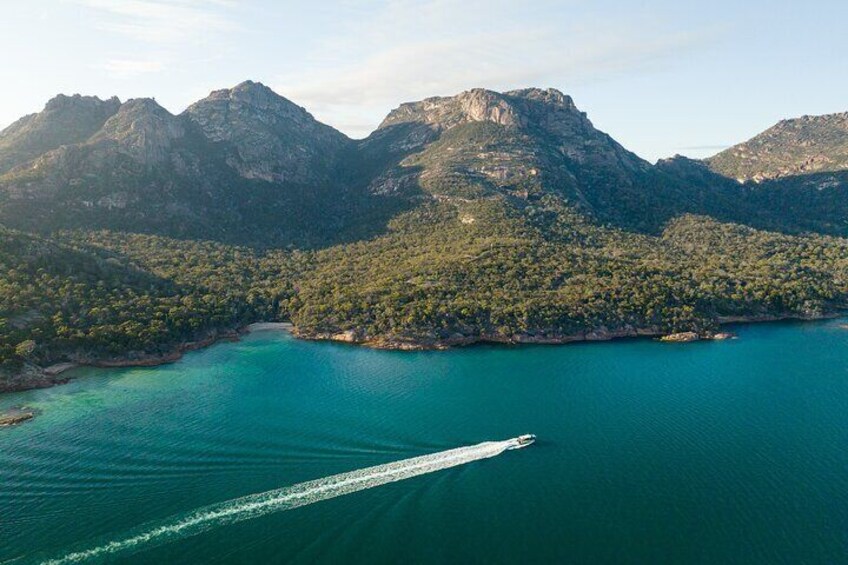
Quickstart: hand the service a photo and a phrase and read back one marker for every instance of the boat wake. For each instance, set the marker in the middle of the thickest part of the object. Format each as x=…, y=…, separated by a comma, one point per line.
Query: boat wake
x=301, y=494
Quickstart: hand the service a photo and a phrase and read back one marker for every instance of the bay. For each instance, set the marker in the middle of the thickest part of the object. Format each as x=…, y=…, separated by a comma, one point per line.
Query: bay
x=730, y=452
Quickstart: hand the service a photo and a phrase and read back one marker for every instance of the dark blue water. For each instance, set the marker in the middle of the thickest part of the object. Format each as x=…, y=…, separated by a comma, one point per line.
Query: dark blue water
x=715, y=452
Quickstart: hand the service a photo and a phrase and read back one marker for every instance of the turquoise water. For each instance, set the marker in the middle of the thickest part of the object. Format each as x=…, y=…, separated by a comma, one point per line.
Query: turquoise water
x=715, y=452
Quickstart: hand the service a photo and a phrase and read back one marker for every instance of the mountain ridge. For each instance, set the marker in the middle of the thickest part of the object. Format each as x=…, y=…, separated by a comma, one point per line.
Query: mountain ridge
x=241, y=153
x=796, y=146
x=65, y=120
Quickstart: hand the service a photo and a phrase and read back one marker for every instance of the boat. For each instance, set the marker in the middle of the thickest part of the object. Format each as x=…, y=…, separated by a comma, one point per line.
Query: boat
x=524, y=441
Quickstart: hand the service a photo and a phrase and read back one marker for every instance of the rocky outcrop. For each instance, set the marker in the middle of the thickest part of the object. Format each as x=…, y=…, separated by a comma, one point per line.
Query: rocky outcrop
x=142, y=129
x=681, y=337
x=531, y=109
x=15, y=416
x=29, y=377
x=65, y=120
x=686, y=337
x=809, y=144
x=446, y=112
x=267, y=136
x=720, y=336
x=440, y=340
x=521, y=144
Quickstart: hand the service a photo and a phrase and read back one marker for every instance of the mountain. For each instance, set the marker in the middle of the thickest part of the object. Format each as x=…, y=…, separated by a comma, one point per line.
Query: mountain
x=243, y=165
x=810, y=144
x=483, y=216
x=144, y=169
x=521, y=144
x=527, y=144
x=793, y=176
x=268, y=137
x=65, y=120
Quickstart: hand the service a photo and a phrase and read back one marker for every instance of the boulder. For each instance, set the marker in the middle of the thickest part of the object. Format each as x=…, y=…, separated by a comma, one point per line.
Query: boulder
x=680, y=337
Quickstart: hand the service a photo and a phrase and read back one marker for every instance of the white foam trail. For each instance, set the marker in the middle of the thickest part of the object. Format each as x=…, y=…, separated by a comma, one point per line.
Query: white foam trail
x=294, y=496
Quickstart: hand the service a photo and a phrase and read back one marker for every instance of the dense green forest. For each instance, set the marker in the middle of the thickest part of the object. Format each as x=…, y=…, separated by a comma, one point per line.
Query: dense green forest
x=487, y=274
x=443, y=273
x=101, y=295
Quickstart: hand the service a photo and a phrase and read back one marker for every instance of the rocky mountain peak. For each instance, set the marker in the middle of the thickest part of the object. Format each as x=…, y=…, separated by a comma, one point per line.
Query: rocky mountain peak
x=251, y=95
x=143, y=129
x=269, y=137
x=65, y=120
x=78, y=101
x=550, y=96
x=250, y=101
x=540, y=143
x=515, y=108
x=256, y=91
x=446, y=112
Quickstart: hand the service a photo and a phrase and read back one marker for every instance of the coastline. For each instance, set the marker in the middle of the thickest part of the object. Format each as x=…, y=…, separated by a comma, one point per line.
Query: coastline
x=34, y=377
x=402, y=343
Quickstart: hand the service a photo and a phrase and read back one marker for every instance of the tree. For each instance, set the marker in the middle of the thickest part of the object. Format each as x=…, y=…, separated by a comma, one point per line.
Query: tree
x=25, y=348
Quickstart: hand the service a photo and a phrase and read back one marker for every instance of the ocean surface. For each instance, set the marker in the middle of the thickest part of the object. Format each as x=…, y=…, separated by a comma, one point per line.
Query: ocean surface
x=275, y=450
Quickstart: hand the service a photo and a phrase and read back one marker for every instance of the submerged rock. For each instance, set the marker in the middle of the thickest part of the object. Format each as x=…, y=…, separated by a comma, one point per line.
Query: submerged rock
x=15, y=416
x=722, y=335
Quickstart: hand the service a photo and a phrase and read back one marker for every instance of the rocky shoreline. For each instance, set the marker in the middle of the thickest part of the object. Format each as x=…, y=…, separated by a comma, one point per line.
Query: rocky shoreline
x=37, y=377
x=686, y=337
x=418, y=343
x=407, y=343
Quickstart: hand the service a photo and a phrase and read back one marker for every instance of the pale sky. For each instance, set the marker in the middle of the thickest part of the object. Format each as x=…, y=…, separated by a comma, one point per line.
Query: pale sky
x=660, y=76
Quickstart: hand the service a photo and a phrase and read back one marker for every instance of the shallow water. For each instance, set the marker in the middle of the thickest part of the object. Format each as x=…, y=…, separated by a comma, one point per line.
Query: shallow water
x=710, y=452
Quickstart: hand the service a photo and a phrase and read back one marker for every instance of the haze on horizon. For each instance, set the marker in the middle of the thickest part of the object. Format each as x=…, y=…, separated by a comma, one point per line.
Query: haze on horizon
x=663, y=78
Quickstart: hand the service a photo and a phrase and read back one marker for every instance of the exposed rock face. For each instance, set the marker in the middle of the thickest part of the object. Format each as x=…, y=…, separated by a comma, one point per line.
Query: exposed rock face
x=65, y=120
x=268, y=136
x=809, y=144
x=532, y=109
x=686, y=337
x=522, y=143
x=442, y=340
x=142, y=129
x=143, y=170
x=477, y=105
x=243, y=165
